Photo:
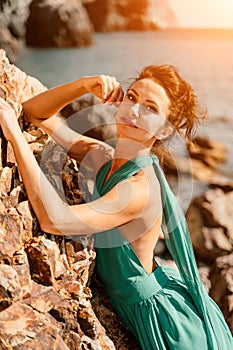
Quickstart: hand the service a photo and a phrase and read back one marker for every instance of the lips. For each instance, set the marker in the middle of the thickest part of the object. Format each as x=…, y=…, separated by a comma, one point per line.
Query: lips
x=128, y=122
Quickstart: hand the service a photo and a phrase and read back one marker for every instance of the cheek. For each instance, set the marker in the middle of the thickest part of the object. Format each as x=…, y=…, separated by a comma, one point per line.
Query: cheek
x=121, y=109
x=153, y=123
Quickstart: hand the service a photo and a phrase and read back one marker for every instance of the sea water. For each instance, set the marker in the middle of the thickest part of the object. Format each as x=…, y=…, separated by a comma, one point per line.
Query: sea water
x=204, y=58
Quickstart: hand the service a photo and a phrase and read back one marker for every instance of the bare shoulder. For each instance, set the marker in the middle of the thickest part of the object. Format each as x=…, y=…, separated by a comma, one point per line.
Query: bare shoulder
x=91, y=153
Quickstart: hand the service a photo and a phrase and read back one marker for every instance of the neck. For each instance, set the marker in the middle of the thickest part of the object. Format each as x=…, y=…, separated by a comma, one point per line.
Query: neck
x=128, y=149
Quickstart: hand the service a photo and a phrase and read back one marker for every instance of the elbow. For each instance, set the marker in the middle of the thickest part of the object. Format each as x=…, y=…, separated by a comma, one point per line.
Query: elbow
x=47, y=226
x=28, y=112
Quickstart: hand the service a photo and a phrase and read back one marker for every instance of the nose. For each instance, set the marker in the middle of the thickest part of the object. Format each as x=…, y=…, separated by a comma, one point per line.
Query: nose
x=136, y=109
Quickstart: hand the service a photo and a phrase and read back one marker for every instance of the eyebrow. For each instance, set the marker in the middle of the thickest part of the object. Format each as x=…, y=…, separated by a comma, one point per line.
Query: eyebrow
x=150, y=101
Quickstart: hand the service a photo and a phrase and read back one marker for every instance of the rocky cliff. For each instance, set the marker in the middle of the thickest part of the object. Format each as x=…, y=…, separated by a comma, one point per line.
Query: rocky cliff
x=111, y=15
x=66, y=23
x=58, y=23
x=44, y=293
x=13, y=17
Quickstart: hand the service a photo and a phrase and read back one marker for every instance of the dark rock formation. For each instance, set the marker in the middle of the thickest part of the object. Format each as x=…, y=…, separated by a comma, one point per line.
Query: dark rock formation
x=70, y=23
x=9, y=43
x=58, y=23
x=13, y=16
x=210, y=219
x=221, y=277
x=44, y=293
x=111, y=15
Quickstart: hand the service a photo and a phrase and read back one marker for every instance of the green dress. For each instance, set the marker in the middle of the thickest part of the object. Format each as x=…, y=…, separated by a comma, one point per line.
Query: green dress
x=166, y=309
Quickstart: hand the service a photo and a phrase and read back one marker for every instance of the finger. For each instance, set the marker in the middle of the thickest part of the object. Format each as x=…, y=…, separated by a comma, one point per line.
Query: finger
x=116, y=95
x=115, y=91
x=104, y=87
x=111, y=82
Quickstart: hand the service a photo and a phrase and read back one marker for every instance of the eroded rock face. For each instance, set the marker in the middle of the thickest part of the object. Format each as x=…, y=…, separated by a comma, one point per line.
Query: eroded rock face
x=58, y=23
x=111, y=15
x=44, y=293
x=221, y=277
x=13, y=16
x=210, y=219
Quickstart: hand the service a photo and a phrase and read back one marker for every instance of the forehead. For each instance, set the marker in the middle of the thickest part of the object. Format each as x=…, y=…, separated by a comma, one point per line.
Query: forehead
x=147, y=89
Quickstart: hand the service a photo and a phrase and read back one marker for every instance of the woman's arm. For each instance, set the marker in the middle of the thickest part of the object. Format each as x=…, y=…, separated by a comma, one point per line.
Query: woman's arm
x=48, y=103
x=54, y=215
x=41, y=111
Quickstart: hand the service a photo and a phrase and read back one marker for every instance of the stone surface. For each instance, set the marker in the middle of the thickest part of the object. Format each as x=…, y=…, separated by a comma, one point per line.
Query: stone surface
x=9, y=43
x=210, y=222
x=58, y=23
x=44, y=294
x=111, y=15
x=221, y=277
x=210, y=152
x=13, y=16
x=21, y=327
x=66, y=23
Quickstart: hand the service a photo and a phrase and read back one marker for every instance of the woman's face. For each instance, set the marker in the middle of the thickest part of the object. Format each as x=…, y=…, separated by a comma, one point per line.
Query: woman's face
x=143, y=111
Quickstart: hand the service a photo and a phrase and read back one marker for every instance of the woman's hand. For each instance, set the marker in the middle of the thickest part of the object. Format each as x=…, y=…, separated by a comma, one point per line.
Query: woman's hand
x=104, y=87
x=8, y=120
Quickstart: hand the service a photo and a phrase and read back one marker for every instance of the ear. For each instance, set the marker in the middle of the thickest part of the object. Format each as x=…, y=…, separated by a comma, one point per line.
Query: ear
x=164, y=132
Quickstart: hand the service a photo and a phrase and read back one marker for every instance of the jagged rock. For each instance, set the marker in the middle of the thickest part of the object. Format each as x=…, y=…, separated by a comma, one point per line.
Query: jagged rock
x=5, y=181
x=210, y=152
x=20, y=264
x=204, y=272
x=13, y=234
x=120, y=334
x=9, y=282
x=15, y=280
x=15, y=85
x=58, y=23
x=62, y=268
x=21, y=327
x=110, y=15
x=16, y=196
x=42, y=298
x=44, y=261
x=210, y=223
x=221, y=277
x=13, y=16
x=9, y=43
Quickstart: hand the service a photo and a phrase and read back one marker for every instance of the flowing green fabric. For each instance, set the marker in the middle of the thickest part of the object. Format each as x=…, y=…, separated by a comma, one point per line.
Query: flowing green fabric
x=166, y=309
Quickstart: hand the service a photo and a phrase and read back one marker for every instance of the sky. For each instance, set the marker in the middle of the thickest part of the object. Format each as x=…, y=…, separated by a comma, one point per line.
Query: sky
x=203, y=13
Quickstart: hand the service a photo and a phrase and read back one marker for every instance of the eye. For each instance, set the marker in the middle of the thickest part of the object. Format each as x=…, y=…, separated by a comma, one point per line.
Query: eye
x=153, y=109
x=131, y=97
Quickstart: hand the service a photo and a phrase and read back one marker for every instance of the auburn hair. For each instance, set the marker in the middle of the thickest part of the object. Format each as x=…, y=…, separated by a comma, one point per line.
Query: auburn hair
x=185, y=112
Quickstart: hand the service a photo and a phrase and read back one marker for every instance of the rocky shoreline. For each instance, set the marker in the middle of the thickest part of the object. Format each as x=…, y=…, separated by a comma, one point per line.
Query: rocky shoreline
x=49, y=296
x=71, y=23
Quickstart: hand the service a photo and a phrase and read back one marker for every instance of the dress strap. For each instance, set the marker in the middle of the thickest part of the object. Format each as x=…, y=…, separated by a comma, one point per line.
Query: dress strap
x=127, y=170
x=179, y=244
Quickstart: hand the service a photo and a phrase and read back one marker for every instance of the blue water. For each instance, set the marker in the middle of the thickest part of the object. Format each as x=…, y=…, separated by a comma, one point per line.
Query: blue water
x=204, y=58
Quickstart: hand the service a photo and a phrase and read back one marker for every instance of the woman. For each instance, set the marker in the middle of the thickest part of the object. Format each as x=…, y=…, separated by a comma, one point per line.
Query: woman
x=163, y=308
